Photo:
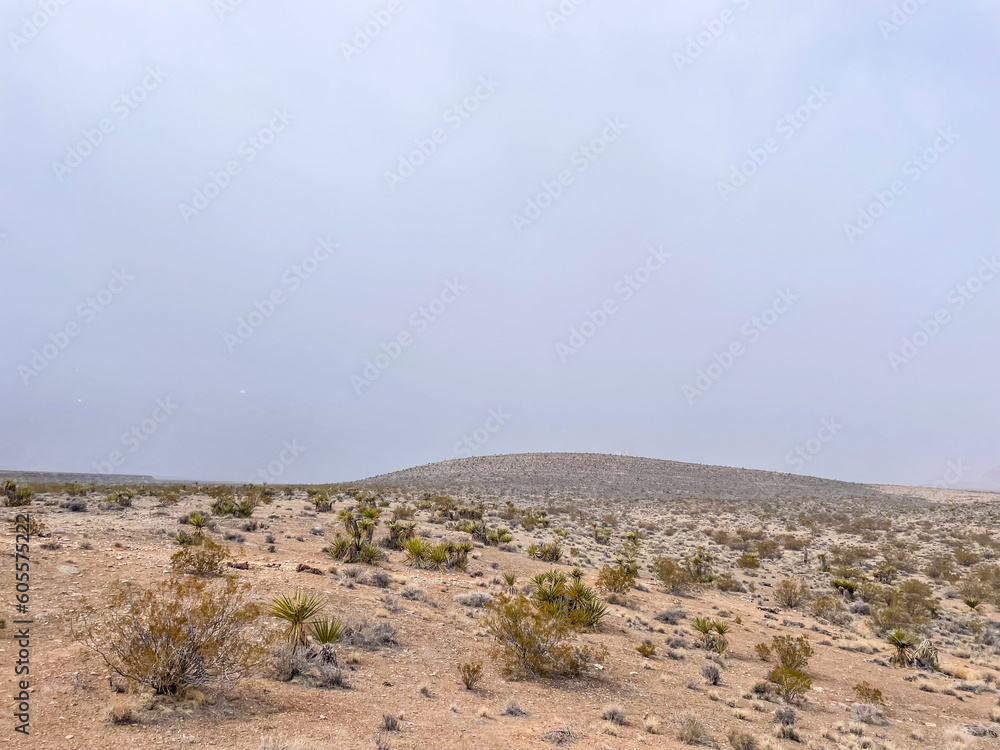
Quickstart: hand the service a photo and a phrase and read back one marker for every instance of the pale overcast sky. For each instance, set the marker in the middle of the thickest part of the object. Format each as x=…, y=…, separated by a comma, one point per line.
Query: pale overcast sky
x=744, y=232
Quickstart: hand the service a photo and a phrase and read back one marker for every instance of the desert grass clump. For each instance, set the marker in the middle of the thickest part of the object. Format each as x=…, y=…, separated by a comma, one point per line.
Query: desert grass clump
x=868, y=714
x=513, y=709
x=199, y=556
x=177, y=634
x=615, y=714
x=370, y=636
x=474, y=599
x=711, y=674
x=740, y=740
x=646, y=649
x=471, y=672
x=693, y=732
x=296, y=611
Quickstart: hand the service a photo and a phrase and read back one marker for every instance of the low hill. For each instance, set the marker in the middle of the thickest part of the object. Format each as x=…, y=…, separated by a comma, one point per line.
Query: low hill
x=596, y=475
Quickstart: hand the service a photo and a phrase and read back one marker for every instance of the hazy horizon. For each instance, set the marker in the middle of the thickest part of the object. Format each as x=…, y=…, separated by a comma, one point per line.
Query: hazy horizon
x=343, y=241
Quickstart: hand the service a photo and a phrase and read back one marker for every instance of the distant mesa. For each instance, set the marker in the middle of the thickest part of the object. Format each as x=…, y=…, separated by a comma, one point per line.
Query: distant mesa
x=59, y=477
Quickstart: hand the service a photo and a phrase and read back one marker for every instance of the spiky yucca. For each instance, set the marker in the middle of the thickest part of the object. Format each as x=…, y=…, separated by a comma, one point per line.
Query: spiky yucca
x=296, y=611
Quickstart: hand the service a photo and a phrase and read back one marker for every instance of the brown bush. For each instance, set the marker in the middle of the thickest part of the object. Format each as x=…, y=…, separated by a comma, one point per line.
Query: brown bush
x=470, y=672
x=179, y=633
x=204, y=558
x=791, y=592
x=674, y=576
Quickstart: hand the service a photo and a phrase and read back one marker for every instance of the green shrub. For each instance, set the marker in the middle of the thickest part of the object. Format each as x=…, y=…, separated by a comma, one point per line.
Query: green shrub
x=791, y=684
x=531, y=642
x=616, y=579
x=14, y=496
x=674, y=576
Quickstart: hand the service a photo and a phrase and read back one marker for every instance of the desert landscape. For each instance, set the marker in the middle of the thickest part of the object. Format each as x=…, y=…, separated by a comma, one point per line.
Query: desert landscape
x=517, y=601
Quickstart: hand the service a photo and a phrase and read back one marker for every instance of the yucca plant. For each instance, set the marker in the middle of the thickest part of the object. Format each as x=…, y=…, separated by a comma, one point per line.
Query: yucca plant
x=509, y=580
x=296, y=611
x=704, y=626
x=197, y=520
x=438, y=556
x=328, y=630
x=904, y=646
x=417, y=551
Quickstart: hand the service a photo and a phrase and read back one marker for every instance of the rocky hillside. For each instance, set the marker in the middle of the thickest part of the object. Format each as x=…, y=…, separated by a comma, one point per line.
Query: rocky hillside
x=595, y=475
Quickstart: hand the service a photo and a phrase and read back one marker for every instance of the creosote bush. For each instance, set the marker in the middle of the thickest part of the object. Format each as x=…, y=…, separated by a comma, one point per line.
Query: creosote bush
x=199, y=556
x=14, y=496
x=616, y=579
x=791, y=592
x=532, y=641
x=179, y=633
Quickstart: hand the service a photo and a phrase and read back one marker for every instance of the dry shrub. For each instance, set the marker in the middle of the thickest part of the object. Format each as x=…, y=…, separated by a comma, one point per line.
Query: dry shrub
x=693, y=732
x=176, y=634
x=206, y=558
x=740, y=740
x=615, y=714
x=535, y=642
x=675, y=577
x=791, y=592
x=470, y=672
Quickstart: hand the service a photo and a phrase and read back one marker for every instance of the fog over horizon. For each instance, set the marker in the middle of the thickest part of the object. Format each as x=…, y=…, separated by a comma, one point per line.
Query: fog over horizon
x=343, y=241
